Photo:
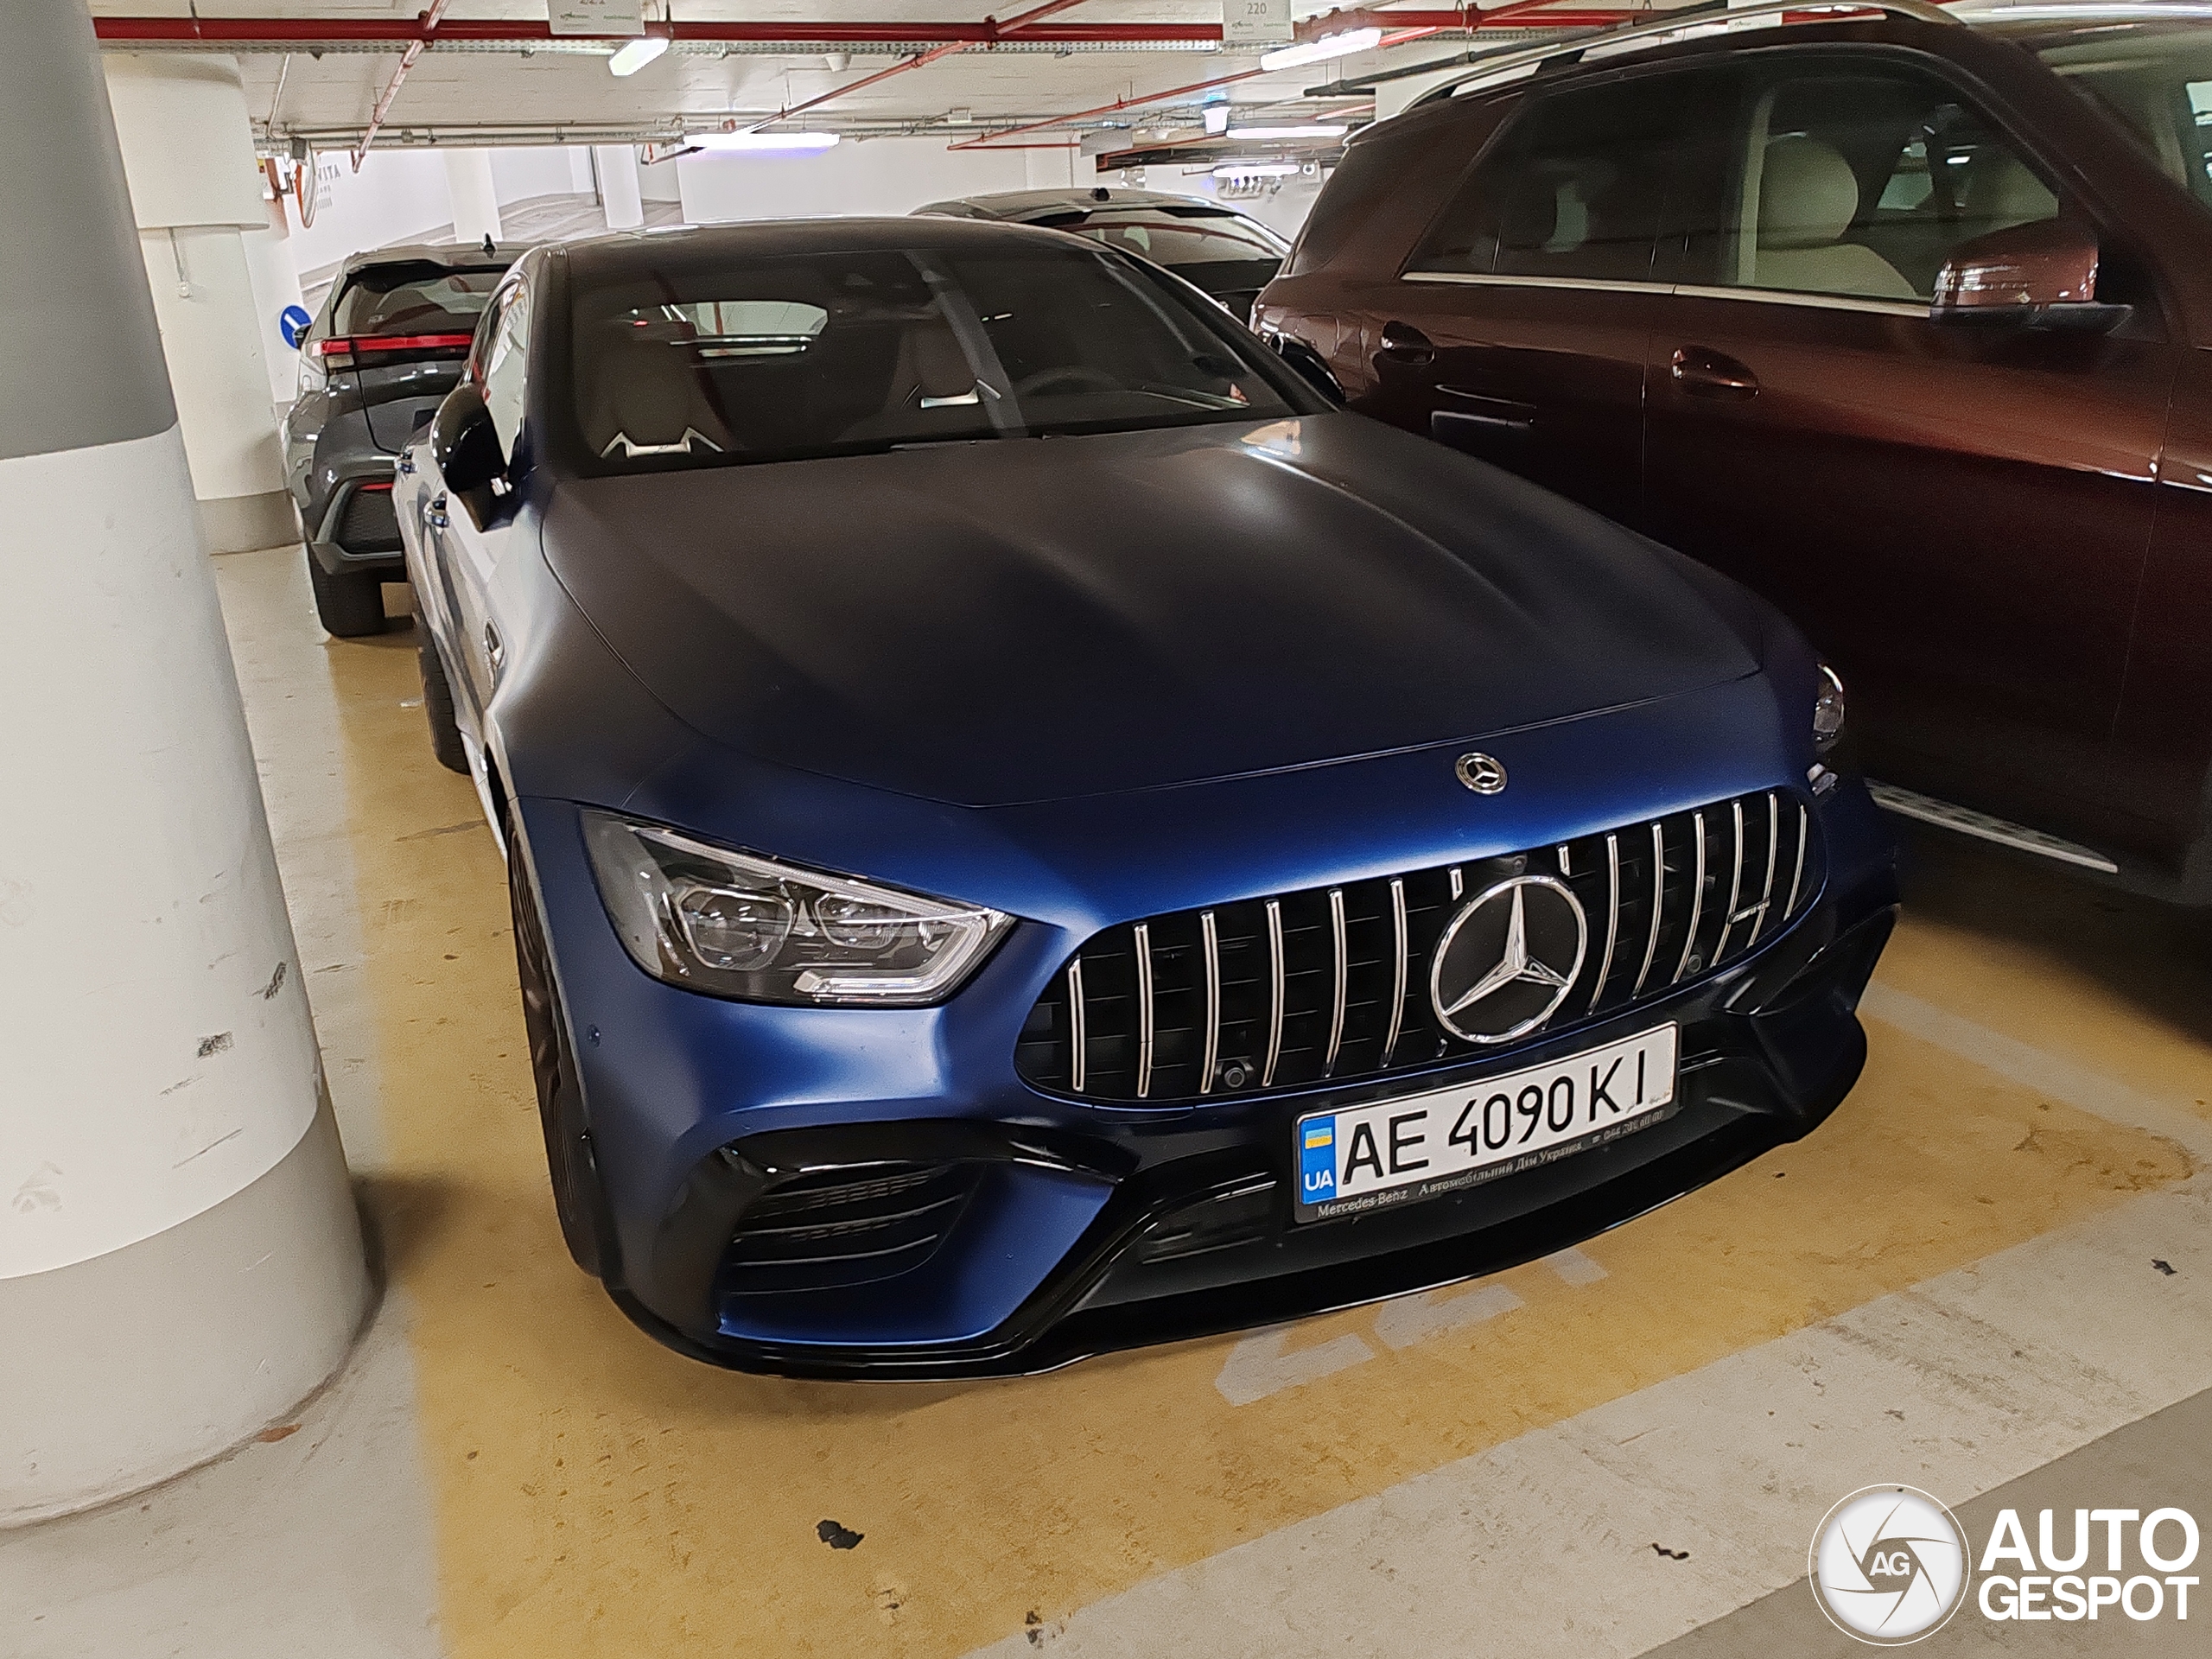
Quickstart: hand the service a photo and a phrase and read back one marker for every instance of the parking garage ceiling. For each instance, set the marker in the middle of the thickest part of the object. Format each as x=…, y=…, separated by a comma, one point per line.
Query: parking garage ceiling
x=488, y=70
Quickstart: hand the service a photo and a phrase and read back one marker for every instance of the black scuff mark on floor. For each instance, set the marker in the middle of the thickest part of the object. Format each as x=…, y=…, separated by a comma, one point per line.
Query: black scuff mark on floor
x=1672, y=1554
x=443, y=829
x=275, y=984
x=214, y=1044
x=2167, y=1268
x=835, y=1537
x=1034, y=1626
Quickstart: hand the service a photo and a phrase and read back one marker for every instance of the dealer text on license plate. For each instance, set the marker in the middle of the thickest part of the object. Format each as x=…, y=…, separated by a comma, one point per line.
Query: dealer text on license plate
x=1420, y=1145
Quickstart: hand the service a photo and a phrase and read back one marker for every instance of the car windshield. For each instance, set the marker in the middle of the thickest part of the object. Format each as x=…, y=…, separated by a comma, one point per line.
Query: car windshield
x=416, y=297
x=2155, y=79
x=716, y=360
x=1167, y=238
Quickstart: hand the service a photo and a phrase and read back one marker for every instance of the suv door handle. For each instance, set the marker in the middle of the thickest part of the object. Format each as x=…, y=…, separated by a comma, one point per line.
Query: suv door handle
x=439, y=517
x=1403, y=343
x=1703, y=372
x=495, y=653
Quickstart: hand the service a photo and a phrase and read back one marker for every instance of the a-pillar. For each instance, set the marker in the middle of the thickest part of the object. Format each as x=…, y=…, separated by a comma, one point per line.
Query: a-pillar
x=187, y=153
x=619, y=194
x=180, y=1257
x=475, y=199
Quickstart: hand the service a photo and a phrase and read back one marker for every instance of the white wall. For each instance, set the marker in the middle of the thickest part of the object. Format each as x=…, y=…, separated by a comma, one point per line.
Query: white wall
x=397, y=196
x=883, y=176
x=659, y=182
x=520, y=174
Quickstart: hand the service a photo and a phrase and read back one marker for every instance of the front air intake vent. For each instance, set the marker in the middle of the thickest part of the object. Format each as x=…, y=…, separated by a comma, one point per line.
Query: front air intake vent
x=1333, y=983
x=836, y=1229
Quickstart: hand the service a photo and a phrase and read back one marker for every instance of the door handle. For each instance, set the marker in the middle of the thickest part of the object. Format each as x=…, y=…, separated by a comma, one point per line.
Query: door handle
x=495, y=652
x=439, y=517
x=406, y=463
x=1403, y=343
x=1703, y=372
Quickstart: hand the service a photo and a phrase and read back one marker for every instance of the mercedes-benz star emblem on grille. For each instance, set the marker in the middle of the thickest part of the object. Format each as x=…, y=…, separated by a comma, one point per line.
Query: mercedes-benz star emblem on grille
x=1481, y=773
x=1507, y=959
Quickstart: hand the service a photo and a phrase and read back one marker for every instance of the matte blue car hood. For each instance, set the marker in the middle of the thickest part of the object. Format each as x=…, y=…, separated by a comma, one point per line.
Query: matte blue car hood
x=992, y=623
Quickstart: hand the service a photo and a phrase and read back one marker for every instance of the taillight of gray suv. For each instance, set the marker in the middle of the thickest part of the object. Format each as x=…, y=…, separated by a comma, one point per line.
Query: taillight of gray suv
x=1900, y=320
x=388, y=345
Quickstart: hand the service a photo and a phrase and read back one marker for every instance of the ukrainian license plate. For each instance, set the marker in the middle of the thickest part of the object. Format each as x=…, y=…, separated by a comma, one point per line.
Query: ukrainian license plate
x=1421, y=1146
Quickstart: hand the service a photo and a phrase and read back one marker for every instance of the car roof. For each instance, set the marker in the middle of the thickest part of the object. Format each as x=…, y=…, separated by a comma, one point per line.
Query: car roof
x=1030, y=204
x=635, y=252
x=1675, y=33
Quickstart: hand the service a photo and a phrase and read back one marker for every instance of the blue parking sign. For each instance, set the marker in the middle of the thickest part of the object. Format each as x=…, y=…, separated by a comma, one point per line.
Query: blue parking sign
x=1317, y=1160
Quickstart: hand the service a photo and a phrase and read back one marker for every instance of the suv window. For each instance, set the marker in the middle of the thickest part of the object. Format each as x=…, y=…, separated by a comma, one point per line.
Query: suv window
x=2156, y=78
x=414, y=297
x=505, y=366
x=1574, y=188
x=1860, y=181
x=1172, y=240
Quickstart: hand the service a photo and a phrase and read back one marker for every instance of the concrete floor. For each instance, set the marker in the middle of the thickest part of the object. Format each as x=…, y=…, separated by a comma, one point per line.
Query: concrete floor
x=1959, y=1283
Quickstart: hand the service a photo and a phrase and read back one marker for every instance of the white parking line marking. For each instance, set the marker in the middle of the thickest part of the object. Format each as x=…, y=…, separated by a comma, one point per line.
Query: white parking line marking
x=1258, y=1367
x=1574, y=1267
x=1410, y=1319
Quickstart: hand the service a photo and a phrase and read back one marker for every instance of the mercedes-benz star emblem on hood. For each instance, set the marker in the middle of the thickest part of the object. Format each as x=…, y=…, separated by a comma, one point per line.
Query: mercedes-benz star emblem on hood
x=1481, y=773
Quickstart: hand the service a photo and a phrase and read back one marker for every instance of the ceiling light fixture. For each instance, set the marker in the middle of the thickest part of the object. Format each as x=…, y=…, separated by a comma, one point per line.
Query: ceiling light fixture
x=763, y=141
x=1217, y=118
x=1320, y=51
x=1256, y=170
x=1288, y=132
x=634, y=55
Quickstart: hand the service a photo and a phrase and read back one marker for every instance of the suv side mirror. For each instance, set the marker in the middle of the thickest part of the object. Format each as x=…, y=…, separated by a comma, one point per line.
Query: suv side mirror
x=465, y=446
x=1309, y=366
x=2038, y=276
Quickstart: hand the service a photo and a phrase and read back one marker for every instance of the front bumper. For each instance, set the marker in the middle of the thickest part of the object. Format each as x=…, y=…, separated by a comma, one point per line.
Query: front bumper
x=1083, y=1228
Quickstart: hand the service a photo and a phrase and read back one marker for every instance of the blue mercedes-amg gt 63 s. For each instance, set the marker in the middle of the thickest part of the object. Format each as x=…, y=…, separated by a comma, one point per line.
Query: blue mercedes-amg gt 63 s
x=1033, y=832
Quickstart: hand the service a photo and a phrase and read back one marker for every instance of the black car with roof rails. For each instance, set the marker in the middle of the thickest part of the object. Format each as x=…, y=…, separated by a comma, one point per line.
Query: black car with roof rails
x=1224, y=254
x=384, y=350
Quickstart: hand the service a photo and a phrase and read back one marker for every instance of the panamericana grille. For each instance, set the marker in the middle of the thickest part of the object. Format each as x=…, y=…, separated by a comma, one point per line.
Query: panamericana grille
x=368, y=523
x=1333, y=983
x=839, y=1228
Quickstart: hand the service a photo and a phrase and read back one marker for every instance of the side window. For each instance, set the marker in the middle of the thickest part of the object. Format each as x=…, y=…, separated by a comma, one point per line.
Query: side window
x=1860, y=182
x=1574, y=188
x=504, y=367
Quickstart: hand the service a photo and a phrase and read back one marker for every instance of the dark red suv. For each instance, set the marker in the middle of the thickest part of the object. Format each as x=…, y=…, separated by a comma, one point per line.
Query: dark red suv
x=1900, y=321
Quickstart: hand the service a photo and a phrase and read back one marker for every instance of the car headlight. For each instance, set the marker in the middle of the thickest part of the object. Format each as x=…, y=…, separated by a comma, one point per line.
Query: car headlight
x=733, y=925
x=1827, y=711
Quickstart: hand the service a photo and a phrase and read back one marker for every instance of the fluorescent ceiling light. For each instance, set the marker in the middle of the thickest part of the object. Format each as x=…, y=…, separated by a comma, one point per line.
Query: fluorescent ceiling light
x=1320, y=51
x=1287, y=132
x=758, y=141
x=635, y=54
x=1217, y=118
x=1256, y=170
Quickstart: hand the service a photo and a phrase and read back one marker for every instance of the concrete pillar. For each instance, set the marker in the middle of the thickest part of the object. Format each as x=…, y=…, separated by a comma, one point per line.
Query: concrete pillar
x=475, y=199
x=180, y=1257
x=187, y=152
x=618, y=186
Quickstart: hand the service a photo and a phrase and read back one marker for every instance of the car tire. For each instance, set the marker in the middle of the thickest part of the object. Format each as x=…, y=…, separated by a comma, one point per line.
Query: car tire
x=350, y=605
x=578, y=1199
x=437, y=706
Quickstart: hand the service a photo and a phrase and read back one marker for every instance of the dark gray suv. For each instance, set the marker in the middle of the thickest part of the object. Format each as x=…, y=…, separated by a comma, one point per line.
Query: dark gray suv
x=389, y=343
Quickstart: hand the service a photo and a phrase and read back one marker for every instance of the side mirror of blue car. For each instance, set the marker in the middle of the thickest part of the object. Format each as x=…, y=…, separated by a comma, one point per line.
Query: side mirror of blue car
x=466, y=445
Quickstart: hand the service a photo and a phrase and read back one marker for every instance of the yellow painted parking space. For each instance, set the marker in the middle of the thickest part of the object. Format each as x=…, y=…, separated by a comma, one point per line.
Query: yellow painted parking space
x=599, y=1495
